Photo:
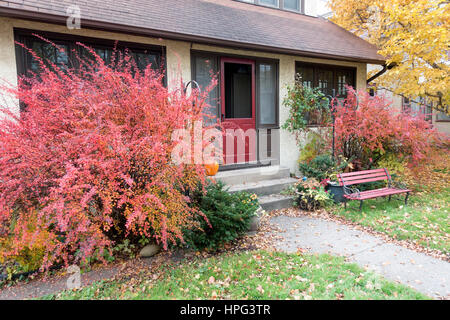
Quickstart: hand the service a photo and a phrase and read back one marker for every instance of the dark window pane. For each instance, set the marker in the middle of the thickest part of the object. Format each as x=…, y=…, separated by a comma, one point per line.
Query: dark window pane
x=325, y=81
x=143, y=59
x=306, y=76
x=103, y=52
x=343, y=78
x=49, y=55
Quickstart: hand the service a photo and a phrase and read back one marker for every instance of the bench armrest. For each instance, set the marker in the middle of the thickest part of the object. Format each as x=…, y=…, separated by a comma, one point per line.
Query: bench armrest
x=351, y=190
x=398, y=185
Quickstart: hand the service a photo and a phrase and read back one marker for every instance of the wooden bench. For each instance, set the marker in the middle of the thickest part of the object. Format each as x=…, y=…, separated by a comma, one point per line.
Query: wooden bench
x=349, y=180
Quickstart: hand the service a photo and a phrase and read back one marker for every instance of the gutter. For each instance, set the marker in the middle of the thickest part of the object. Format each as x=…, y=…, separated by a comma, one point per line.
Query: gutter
x=386, y=67
x=140, y=31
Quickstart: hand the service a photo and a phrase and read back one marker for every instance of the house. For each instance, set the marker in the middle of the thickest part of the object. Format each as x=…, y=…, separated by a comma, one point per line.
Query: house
x=257, y=48
x=418, y=106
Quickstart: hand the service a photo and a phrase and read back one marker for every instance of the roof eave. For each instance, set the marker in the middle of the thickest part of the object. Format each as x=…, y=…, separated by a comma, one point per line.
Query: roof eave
x=108, y=26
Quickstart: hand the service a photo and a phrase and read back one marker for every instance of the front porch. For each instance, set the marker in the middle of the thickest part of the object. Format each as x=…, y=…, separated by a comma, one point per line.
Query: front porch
x=266, y=182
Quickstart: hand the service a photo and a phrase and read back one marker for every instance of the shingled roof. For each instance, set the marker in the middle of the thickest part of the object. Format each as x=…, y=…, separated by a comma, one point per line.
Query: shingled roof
x=219, y=22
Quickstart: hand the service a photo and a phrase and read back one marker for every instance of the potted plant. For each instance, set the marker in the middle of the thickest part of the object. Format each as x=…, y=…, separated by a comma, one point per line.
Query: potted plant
x=311, y=195
x=335, y=189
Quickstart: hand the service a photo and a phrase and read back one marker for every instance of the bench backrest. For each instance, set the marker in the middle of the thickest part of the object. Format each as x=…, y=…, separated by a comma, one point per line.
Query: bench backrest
x=348, y=179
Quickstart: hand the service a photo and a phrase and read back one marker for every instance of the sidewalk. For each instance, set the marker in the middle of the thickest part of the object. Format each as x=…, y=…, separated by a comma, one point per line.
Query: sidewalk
x=426, y=274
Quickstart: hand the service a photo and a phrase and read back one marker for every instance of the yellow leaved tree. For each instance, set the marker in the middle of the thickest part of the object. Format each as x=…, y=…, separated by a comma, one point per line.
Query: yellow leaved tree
x=414, y=37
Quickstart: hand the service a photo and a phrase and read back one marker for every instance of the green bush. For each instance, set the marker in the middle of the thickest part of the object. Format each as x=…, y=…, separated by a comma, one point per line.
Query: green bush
x=229, y=215
x=322, y=167
x=316, y=145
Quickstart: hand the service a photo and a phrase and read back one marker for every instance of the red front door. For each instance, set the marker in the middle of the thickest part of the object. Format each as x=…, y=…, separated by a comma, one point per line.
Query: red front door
x=238, y=110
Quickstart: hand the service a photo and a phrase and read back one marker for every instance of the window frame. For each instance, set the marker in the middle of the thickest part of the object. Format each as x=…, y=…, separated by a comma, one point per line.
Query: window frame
x=407, y=105
x=258, y=61
x=441, y=120
x=326, y=67
x=24, y=35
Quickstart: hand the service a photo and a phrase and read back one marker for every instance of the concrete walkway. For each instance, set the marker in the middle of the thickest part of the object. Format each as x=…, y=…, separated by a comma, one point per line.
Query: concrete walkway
x=426, y=274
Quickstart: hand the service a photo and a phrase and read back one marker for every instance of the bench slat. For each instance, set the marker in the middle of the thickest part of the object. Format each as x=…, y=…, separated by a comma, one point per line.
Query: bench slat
x=385, y=192
x=367, y=176
x=361, y=172
x=349, y=183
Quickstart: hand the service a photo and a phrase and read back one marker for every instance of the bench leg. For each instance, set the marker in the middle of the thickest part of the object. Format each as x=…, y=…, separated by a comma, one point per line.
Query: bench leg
x=345, y=205
x=360, y=206
x=406, y=199
x=390, y=198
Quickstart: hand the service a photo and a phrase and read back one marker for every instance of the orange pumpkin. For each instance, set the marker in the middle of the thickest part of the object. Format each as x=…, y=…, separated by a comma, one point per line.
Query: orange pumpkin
x=212, y=168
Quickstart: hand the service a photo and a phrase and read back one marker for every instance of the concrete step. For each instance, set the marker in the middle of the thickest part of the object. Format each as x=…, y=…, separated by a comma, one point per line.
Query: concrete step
x=276, y=202
x=243, y=176
x=264, y=188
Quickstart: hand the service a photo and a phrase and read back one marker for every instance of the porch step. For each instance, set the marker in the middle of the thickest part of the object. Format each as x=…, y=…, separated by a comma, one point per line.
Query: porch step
x=276, y=202
x=265, y=187
x=244, y=176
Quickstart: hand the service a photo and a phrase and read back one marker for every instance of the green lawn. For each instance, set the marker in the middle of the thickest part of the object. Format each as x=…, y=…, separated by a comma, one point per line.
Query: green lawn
x=256, y=275
x=425, y=220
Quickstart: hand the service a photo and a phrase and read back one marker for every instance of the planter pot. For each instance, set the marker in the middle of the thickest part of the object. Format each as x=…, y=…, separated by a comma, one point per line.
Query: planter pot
x=307, y=203
x=336, y=191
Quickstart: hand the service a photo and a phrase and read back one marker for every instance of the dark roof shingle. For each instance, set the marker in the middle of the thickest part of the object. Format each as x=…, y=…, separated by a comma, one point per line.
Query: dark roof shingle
x=224, y=22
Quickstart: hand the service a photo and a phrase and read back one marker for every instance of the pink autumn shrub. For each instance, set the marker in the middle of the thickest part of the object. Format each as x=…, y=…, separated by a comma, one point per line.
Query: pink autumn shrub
x=89, y=161
x=367, y=128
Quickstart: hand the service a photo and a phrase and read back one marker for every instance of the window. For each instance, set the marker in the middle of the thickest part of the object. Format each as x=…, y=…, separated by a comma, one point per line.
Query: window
x=329, y=79
x=205, y=67
x=272, y=3
x=267, y=94
x=50, y=55
x=291, y=5
x=420, y=107
x=326, y=78
x=144, y=55
x=442, y=117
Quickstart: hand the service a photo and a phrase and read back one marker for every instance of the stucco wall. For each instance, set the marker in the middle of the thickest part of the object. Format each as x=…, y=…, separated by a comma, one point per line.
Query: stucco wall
x=178, y=65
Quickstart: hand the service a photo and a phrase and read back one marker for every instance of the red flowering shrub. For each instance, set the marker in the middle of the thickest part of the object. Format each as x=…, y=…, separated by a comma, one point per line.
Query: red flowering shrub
x=368, y=128
x=89, y=160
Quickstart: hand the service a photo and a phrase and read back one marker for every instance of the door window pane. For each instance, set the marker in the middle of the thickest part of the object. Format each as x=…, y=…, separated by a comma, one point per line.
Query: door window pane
x=267, y=93
x=238, y=91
